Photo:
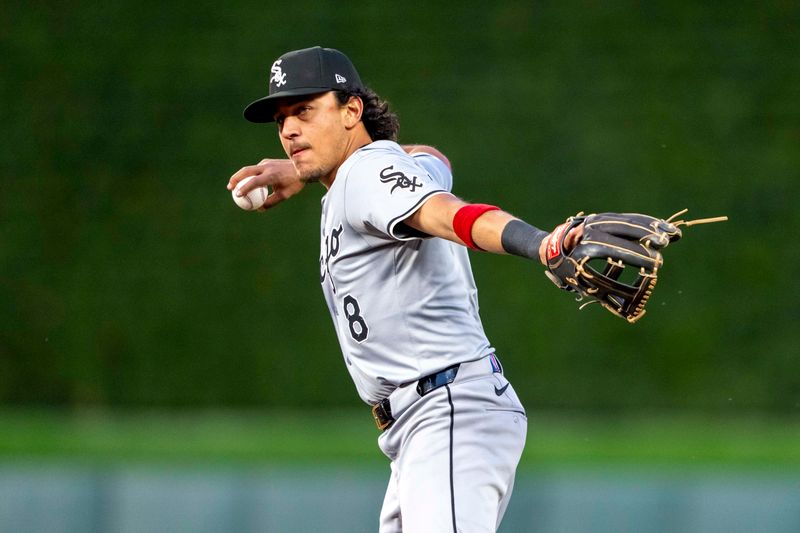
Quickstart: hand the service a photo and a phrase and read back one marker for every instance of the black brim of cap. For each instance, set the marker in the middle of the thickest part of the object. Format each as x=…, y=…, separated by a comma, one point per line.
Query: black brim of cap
x=263, y=109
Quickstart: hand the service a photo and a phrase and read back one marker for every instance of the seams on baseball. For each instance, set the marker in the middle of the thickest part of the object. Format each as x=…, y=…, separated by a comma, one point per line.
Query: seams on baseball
x=253, y=199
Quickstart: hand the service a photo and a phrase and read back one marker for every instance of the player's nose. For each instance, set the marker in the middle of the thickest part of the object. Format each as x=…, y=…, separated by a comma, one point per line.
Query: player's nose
x=290, y=128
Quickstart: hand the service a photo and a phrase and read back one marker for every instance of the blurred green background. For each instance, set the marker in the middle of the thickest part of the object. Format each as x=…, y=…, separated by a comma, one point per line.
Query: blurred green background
x=130, y=279
x=145, y=319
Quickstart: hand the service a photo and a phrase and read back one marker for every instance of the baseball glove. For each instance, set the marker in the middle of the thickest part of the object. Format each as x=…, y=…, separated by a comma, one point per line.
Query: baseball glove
x=616, y=260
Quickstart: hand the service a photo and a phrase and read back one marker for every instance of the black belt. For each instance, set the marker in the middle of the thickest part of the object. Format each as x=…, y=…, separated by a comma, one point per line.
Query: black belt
x=382, y=411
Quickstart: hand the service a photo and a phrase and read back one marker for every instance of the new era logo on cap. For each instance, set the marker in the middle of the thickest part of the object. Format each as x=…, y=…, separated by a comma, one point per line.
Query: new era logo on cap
x=301, y=72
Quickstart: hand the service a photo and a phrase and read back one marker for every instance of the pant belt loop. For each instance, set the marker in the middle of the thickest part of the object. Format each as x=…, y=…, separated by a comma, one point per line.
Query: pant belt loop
x=382, y=414
x=439, y=379
x=496, y=366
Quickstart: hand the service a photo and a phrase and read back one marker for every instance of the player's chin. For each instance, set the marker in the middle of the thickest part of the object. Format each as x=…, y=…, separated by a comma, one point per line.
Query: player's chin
x=308, y=175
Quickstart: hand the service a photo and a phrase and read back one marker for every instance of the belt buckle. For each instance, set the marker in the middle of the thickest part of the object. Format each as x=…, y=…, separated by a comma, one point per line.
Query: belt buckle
x=382, y=414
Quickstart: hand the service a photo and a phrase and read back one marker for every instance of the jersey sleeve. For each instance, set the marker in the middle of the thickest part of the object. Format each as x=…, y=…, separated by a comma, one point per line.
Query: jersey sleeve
x=386, y=188
x=436, y=169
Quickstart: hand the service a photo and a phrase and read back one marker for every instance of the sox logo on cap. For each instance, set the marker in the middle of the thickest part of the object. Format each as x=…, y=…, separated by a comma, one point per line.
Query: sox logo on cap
x=278, y=76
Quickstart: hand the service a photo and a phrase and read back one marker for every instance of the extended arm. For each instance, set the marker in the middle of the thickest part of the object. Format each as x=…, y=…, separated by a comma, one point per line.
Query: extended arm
x=481, y=227
x=493, y=231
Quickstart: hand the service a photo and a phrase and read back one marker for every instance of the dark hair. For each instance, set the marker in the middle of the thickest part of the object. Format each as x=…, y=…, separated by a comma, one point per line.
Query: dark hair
x=380, y=122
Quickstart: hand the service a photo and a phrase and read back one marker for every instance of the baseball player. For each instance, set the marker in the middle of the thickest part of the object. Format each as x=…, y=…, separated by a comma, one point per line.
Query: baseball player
x=396, y=277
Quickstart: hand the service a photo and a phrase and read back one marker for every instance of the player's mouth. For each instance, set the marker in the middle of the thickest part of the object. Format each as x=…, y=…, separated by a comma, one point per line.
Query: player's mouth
x=299, y=150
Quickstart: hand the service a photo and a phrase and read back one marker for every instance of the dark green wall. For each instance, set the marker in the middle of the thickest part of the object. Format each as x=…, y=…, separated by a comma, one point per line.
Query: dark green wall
x=128, y=276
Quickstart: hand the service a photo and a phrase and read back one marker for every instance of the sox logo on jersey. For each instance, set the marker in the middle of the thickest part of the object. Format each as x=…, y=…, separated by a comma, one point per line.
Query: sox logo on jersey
x=400, y=180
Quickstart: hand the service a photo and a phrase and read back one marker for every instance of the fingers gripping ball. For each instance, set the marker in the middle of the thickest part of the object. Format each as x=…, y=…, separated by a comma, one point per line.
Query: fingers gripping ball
x=617, y=259
x=253, y=199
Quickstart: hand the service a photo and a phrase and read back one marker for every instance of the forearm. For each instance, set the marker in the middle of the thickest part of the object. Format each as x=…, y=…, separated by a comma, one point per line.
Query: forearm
x=502, y=233
x=494, y=231
x=487, y=231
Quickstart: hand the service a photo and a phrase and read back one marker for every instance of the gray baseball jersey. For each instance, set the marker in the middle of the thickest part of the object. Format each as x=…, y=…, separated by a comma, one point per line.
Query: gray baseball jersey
x=403, y=305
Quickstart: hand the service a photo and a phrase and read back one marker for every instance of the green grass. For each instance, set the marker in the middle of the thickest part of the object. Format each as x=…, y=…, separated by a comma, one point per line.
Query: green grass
x=554, y=440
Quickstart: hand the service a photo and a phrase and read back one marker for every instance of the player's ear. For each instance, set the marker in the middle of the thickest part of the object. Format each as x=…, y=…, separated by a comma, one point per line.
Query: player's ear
x=352, y=111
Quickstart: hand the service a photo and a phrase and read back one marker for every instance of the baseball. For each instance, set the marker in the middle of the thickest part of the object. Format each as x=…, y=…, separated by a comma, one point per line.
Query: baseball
x=253, y=199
